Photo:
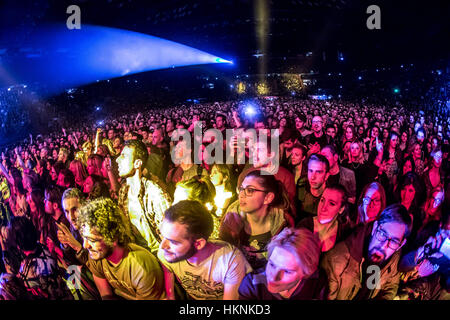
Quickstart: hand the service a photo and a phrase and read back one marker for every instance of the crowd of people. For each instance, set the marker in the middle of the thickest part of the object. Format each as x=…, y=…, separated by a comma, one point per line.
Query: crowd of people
x=356, y=207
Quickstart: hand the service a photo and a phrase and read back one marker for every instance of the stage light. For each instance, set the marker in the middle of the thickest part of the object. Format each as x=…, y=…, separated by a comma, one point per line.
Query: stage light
x=396, y=90
x=96, y=53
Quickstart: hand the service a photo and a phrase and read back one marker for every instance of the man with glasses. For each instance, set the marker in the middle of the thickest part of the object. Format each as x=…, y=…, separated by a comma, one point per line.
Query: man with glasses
x=317, y=139
x=364, y=266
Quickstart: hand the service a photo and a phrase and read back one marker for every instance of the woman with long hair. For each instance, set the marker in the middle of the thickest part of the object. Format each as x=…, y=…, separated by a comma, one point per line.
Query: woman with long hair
x=433, y=176
x=35, y=200
x=371, y=203
x=432, y=208
x=260, y=213
x=224, y=182
x=79, y=171
x=332, y=223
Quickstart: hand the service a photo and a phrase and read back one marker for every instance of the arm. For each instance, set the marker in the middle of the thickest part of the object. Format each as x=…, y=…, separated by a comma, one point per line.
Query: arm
x=333, y=279
x=238, y=267
x=5, y=173
x=104, y=288
x=230, y=291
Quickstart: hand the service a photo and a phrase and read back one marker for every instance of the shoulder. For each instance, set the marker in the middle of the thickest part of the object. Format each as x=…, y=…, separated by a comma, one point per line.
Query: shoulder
x=141, y=257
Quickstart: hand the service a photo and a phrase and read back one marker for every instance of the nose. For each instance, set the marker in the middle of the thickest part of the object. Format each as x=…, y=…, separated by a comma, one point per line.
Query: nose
x=86, y=244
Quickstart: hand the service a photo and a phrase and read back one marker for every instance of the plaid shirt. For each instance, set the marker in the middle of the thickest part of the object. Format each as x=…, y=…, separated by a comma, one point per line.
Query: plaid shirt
x=153, y=202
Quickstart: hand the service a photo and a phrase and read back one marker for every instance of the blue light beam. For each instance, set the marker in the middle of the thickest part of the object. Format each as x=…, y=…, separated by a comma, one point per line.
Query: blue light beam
x=72, y=58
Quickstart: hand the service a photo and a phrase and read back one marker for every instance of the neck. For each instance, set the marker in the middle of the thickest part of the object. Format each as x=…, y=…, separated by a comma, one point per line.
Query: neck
x=407, y=205
x=135, y=180
x=202, y=254
x=258, y=217
x=118, y=254
x=318, y=134
x=288, y=293
x=186, y=166
x=318, y=192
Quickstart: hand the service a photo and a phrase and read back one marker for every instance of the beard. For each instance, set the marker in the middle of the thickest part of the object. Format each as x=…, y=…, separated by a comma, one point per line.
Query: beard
x=377, y=256
x=192, y=250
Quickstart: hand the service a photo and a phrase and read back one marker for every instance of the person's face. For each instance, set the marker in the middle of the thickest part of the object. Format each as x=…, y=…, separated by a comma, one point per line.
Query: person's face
x=62, y=156
x=297, y=156
x=53, y=174
x=92, y=241
x=48, y=206
x=126, y=162
x=372, y=204
x=407, y=194
x=288, y=144
x=404, y=137
x=330, y=206
x=394, y=141
x=355, y=150
x=437, y=159
x=420, y=137
x=55, y=154
x=438, y=197
x=255, y=201
x=349, y=133
x=70, y=207
x=110, y=134
x=434, y=143
x=407, y=167
x=88, y=185
x=283, y=270
x=283, y=122
x=360, y=131
x=44, y=153
x=375, y=132
x=298, y=123
x=386, y=239
x=156, y=137
x=60, y=181
x=317, y=174
x=332, y=159
x=331, y=132
x=176, y=244
x=219, y=123
x=260, y=155
x=417, y=151
x=317, y=124
x=116, y=143
x=217, y=178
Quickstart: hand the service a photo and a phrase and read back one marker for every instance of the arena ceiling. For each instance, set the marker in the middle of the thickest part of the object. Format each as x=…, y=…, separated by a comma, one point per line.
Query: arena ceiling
x=315, y=31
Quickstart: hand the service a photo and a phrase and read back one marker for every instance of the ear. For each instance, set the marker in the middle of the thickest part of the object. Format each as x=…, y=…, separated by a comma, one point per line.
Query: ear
x=269, y=198
x=342, y=209
x=55, y=206
x=199, y=244
x=137, y=163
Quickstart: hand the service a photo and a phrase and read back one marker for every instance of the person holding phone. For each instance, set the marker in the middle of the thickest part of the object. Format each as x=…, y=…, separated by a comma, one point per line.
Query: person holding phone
x=427, y=268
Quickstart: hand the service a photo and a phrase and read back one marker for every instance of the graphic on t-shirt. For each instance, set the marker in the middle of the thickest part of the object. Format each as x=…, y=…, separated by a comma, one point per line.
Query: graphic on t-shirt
x=198, y=288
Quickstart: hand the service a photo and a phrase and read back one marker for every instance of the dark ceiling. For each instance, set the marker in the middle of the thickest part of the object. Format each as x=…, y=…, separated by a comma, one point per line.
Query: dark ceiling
x=410, y=30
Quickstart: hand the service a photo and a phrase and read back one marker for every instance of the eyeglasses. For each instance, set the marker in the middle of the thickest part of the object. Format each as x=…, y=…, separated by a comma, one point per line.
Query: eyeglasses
x=369, y=200
x=249, y=191
x=317, y=121
x=383, y=237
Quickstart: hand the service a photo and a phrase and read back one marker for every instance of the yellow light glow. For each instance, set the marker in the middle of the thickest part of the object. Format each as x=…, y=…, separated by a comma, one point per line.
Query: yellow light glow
x=262, y=88
x=241, y=88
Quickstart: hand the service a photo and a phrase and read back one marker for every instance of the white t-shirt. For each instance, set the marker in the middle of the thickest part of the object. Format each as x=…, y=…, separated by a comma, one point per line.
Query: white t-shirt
x=206, y=281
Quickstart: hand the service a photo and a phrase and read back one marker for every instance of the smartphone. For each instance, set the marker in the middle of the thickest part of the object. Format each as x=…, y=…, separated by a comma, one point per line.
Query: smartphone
x=445, y=248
